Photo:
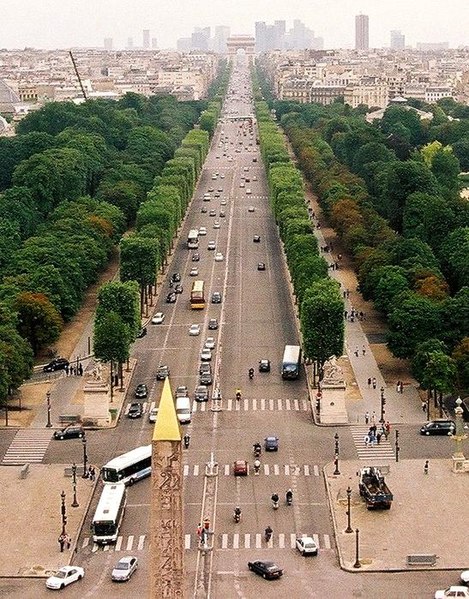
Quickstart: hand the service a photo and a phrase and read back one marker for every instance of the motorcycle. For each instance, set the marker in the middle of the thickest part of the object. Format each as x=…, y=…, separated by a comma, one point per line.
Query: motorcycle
x=268, y=534
x=289, y=498
x=274, y=499
x=257, y=450
x=187, y=440
x=257, y=467
x=237, y=515
x=251, y=373
x=238, y=395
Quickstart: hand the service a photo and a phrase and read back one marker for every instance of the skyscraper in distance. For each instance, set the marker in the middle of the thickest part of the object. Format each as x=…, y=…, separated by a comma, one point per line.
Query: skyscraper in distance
x=146, y=38
x=397, y=40
x=362, y=41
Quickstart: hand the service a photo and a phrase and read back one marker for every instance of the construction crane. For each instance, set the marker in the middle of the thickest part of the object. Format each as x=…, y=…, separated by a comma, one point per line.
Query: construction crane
x=78, y=75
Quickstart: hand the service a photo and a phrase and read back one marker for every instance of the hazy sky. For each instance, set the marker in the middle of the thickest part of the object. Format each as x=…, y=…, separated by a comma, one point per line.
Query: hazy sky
x=66, y=23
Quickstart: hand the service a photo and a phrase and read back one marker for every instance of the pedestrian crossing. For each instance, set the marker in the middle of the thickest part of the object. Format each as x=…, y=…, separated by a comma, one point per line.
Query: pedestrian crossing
x=245, y=405
x=382, y=450
x=265, y=469
x=222, y=541
x=28, y=447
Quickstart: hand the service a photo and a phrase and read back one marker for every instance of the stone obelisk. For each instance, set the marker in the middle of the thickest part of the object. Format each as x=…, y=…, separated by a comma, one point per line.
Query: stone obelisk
x=166, y=509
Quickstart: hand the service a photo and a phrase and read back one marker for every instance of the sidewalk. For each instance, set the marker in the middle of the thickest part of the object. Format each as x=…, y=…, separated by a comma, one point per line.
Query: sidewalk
x=427, y=516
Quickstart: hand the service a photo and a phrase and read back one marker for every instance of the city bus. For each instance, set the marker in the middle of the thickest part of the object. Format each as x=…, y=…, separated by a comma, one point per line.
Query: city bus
x=193, y=239
x=291, y=362
x=198, y=295
x=109, y=513
x=128, y=467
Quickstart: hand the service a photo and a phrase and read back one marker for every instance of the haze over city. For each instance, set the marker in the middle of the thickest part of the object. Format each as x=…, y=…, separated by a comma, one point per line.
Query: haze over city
x=70, y=23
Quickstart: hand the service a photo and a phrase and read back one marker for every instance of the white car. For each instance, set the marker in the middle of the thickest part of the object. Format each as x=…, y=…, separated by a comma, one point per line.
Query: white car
x=454, y=591
x=248, y=191
x=211, y=245
x=465, y=577
x=202, y=230
x=216, y=225
x=65, y=576
x=251, y=209
x=222, y=176
x=223, y=203
x=124, y=568
x=210, y=343
x=194, y=329
x=306, y=546
x=194, y=271
x=254, y=178
x=206, y=355
x=218, y=257
x=158, y=318
x=152, y=414
x=241, y=184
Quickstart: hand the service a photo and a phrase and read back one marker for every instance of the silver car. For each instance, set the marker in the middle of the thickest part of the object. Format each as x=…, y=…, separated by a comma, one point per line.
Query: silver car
x=124, y=568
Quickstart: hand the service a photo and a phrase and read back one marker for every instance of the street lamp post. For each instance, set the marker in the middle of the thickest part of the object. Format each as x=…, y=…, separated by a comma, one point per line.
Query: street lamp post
x=397, y=446
x=336, y=454
x=85, y=458
x=349, y=494
x=74, y=483
x=383, y=403
x=63, y=511
x=357, y=563
x=49, y=424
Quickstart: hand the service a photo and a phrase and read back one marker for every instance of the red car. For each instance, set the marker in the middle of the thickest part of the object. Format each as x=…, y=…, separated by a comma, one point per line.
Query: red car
x=240, y=468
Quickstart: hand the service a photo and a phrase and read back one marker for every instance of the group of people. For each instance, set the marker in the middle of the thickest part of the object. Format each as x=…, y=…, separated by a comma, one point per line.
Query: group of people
x=373, y=436
x=91, y=473
x=74, y=370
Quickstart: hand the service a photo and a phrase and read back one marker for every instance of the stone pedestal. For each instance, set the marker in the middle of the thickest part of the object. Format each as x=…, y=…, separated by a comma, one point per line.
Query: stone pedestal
x=96, y=402
x=332, y=403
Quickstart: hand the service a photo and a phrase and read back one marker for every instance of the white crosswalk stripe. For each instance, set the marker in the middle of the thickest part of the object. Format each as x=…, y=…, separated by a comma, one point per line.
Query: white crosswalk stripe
x=379, y=451
x=266, y=469
x=28, y=447
x=255, y=405
x=222, y=541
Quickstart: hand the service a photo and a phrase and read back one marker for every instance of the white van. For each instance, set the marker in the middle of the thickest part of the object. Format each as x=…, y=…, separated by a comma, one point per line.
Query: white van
x=183, y=409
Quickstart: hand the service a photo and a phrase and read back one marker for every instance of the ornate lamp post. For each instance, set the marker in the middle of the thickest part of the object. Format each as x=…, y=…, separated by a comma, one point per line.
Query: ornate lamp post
x=336, y=455
x=74, y=483
x=458, y=437
x=63, y=511
x=397, y=446
x=49, y=424
x=349, y=494
x=383, y=403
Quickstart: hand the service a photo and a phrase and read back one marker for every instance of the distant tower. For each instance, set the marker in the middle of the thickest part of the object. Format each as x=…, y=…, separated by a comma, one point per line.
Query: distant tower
x=154, y=43
x=166, y=566
x=130, y=43
x=108, y=43
x=361, y=33
x=397, y=40
x=146, y=39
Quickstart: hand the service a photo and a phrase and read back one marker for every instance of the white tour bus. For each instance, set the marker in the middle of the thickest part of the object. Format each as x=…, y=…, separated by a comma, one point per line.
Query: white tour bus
x=109, y=513
x=128, y=467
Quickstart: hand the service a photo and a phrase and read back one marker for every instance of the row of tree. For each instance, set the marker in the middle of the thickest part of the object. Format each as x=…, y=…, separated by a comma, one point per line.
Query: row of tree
x=319, y=298
x=396, y=206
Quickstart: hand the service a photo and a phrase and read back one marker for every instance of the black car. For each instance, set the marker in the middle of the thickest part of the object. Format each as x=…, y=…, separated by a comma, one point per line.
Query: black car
x=171, y=297
x=267, y=570
x=141, y=391
x=438, y=427
x=56, y=364
x=264, y=365
x=213, y=324
x=271, y=444
x=74, y=431
x=205, y=378
x=201, y=393
x=176, y=277
x=178, y=289
x=195, y=257
x=204, y=367
x=135, y=410
x=162, y=373
x=142, y=332
x=216, y=297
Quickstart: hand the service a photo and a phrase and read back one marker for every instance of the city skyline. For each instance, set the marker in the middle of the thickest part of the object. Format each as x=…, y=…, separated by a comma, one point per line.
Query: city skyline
x=67, y=23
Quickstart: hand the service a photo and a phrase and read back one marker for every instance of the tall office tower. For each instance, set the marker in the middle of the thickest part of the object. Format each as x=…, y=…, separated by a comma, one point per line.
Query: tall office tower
x=222, y=33
x=146, y=38
x=361, y=33
x=261, y=36
x=130, y=43
x=154, y=43
x=108, y=43
x=201, y=38
x=397, y=40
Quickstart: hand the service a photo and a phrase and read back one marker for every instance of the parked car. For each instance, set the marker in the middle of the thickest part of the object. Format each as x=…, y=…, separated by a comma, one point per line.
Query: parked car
x=264, y=365
x=271, y=443
x=201, y=393
x=171, y=298
x=162, y=372
x=141, y=391
x=56, y=364
x=306, y=546
x=135, y=410
x=65, y=576
x=158, y=318
x=268, y=570
x=240, y=468
x=438, y=427
x=73, y=431
x=213, y=324
x=194, y=329
x=124, y=568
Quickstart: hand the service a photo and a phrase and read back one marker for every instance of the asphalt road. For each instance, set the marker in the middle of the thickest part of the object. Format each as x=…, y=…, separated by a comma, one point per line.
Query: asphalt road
x=256, y=320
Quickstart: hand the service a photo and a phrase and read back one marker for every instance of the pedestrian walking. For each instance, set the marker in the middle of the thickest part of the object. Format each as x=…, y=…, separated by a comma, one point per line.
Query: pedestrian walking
x=369, y=381
x=61, y=541
x=363, y=350
x=92, y=473
x=373, y=419
x=378, y=437
x=424, y=406
x=401, y=387
x=387, y=428
x=66, y=369
x=345, y=314
x=356, y=351
x=366, y=440
x=67, y=542
x=398, y=387
x=425, y=467
x=367, y=417
x=347, y=292
x=373, y=381
x=373, y=429
x=80, y=369
x=199, y=530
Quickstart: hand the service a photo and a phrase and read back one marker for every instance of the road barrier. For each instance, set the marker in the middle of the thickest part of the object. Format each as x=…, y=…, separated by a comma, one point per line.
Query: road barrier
x=421, y=559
